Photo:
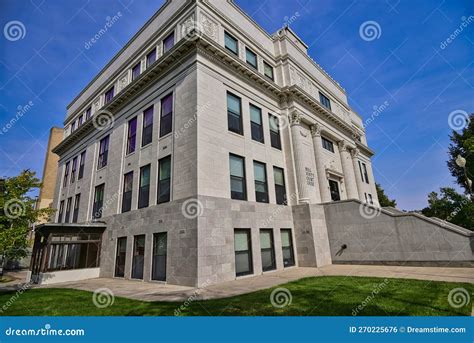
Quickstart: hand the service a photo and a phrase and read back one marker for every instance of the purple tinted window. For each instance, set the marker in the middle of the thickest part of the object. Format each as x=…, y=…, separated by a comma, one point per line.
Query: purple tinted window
x=150, y=58
x=147, y=135
x=136, y=71
x=132, y=135
x=166, y=115
x=103, y=152
x=109, y=95
x=88, y=113
x=73, y=126
x=80, y=120
x=168, y=42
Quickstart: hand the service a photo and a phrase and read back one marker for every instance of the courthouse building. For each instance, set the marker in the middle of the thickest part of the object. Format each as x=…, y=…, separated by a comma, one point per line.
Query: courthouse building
x=207, y=150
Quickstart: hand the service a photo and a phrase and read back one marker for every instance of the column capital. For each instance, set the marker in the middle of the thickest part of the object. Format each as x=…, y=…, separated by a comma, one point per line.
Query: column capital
x=343, y=146
x=316, y=130
x=355, y=152
x=295, y=118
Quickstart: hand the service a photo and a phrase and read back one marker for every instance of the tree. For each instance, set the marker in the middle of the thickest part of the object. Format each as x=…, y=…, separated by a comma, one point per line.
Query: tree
x=18, y=213
x=451, y=206
x=462, y=144
x=383, y=198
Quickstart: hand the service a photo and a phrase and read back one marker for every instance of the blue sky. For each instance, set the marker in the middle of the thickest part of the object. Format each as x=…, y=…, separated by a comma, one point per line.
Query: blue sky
x=406, y=67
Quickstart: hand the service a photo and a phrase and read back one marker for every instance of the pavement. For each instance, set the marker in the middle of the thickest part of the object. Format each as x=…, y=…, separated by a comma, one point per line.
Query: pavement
x=151, y=291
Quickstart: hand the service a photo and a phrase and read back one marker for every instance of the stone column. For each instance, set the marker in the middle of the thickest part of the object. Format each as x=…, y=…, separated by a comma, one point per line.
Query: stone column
x=298, y=152
x=355, y=163
x=320, y=169
x=348, y=170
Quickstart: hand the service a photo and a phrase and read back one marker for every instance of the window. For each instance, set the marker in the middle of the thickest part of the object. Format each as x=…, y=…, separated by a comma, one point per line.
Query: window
x=261, y=188
x=267, y=250
x=160, y=243
x=136, y=71
x=280, y=188
x=251, y=57
x=61, y=211
x=66, y=174
x=127, y=192
x=243, y=252
x=363, y=172
x=164, y=180
x=73, y=126
x=256, y=124
x=73, y=170
x=231, y=43
x=131, y=135
x=371, y=200
x=80, y=121
x=325, y=101
x=234, y=114
x=168, y=42
x=147, y=134
x=150, y=58
x=268, y=70
x=166, y=119
x=121, y=257
x=98, y=201
x=275, y=138
x=103, y=152
x=138, y=257
x=238, y=187
x=68, y=210
x=327, y=144
x=81, y=165
x=334, y=189
x=75, y=213
x=287, y=248
x=73, y=251
x=144, y=189
x=109, y=95
x=88, y=113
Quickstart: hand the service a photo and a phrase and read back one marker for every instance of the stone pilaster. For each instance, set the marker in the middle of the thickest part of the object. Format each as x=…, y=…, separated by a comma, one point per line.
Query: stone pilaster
x=298, y=152
x=348, y=170
x=320, y=169
x=355, y=163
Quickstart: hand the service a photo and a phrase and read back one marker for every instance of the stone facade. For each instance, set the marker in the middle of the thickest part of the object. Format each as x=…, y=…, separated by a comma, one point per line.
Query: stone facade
x=322, y=143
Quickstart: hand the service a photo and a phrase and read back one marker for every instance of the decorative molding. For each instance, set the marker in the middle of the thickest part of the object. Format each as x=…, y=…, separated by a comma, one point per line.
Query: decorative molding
x=209, y=27
x=295, y=118
x=316, y=130
x=355, y=153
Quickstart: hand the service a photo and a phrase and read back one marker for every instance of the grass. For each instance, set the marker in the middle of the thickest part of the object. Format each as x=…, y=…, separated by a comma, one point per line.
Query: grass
x=329, y=296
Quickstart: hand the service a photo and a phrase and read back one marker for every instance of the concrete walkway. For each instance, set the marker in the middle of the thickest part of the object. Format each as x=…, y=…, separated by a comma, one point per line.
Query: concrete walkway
x=147, y=291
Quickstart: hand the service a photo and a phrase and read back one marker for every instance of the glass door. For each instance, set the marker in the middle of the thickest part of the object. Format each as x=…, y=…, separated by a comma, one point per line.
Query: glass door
x=138, y=257
x=267, y=249
x=160, y=242
x=287, y=247
x=121, y=257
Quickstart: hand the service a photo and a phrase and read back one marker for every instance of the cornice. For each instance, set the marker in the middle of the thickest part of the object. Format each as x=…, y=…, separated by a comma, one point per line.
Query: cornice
x=204, y=45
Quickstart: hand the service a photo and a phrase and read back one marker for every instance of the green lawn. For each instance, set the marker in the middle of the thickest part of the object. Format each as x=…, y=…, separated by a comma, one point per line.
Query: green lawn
x=332, y=295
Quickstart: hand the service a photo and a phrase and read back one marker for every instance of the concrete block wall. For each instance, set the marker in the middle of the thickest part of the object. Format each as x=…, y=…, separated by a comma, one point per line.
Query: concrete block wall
x=394, y=238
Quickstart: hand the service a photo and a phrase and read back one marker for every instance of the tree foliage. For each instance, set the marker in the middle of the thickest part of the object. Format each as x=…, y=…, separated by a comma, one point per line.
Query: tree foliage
x=384, y=200
x=18, y=213
x=451, y=206
x=462, y=143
